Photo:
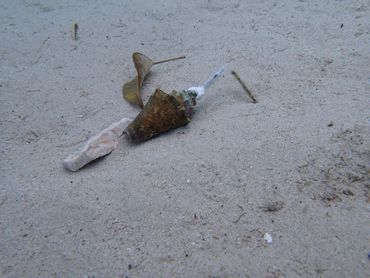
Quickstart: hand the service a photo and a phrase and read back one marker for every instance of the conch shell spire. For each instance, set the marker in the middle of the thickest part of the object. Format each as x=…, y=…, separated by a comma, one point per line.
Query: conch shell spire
x=201, y=89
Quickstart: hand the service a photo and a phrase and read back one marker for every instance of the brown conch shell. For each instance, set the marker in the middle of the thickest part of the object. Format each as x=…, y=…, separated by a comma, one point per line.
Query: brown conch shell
x=162, y=112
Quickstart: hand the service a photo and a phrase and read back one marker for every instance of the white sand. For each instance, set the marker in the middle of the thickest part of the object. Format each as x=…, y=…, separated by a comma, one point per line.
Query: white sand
x=195, y=202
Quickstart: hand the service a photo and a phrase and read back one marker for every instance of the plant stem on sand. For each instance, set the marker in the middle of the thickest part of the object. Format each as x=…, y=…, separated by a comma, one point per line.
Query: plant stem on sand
x=244, y=86
x=168, y=60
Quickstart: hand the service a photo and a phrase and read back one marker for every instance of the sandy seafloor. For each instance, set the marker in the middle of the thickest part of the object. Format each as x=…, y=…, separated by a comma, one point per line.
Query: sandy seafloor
x=195, y=202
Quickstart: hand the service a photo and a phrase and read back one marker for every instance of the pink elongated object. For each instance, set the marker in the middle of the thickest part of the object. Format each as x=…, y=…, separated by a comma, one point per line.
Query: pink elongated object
x=97, y=146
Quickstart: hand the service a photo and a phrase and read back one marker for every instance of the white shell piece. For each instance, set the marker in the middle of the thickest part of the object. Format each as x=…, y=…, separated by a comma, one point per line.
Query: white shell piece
x=97, y=146
x=267, y=237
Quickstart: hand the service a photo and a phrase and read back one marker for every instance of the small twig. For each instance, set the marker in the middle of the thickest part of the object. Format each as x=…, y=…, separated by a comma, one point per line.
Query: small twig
x=255, y=230
x=34, y=133
x=75, y=30
x=244, y=86
x=168, y=60
x=71, y=144
x=36, y=61
x=33, y=91
x=273, y=206
x=239, y=217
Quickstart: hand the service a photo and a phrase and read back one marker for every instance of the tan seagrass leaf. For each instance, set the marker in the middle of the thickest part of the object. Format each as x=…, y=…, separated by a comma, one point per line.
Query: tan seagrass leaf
x=132, y=90
x=142, y=65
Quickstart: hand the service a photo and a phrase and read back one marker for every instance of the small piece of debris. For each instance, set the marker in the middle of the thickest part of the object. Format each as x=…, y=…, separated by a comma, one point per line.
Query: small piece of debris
x=330, y=124
x=75, y=31
x=239, y=217
x=268, y=238
x=348, y=192
x=329, y=196
x=273, y=206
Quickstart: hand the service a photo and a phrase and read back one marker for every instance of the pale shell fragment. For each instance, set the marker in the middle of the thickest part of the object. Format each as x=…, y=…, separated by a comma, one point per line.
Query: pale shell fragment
x=267, y=237
x=97, y=146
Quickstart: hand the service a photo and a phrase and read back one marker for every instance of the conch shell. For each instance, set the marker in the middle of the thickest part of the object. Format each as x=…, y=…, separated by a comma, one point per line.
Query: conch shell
x=162, y=113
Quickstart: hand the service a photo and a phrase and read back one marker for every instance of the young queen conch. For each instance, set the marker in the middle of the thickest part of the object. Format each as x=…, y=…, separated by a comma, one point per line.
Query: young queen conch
x=164, y=112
